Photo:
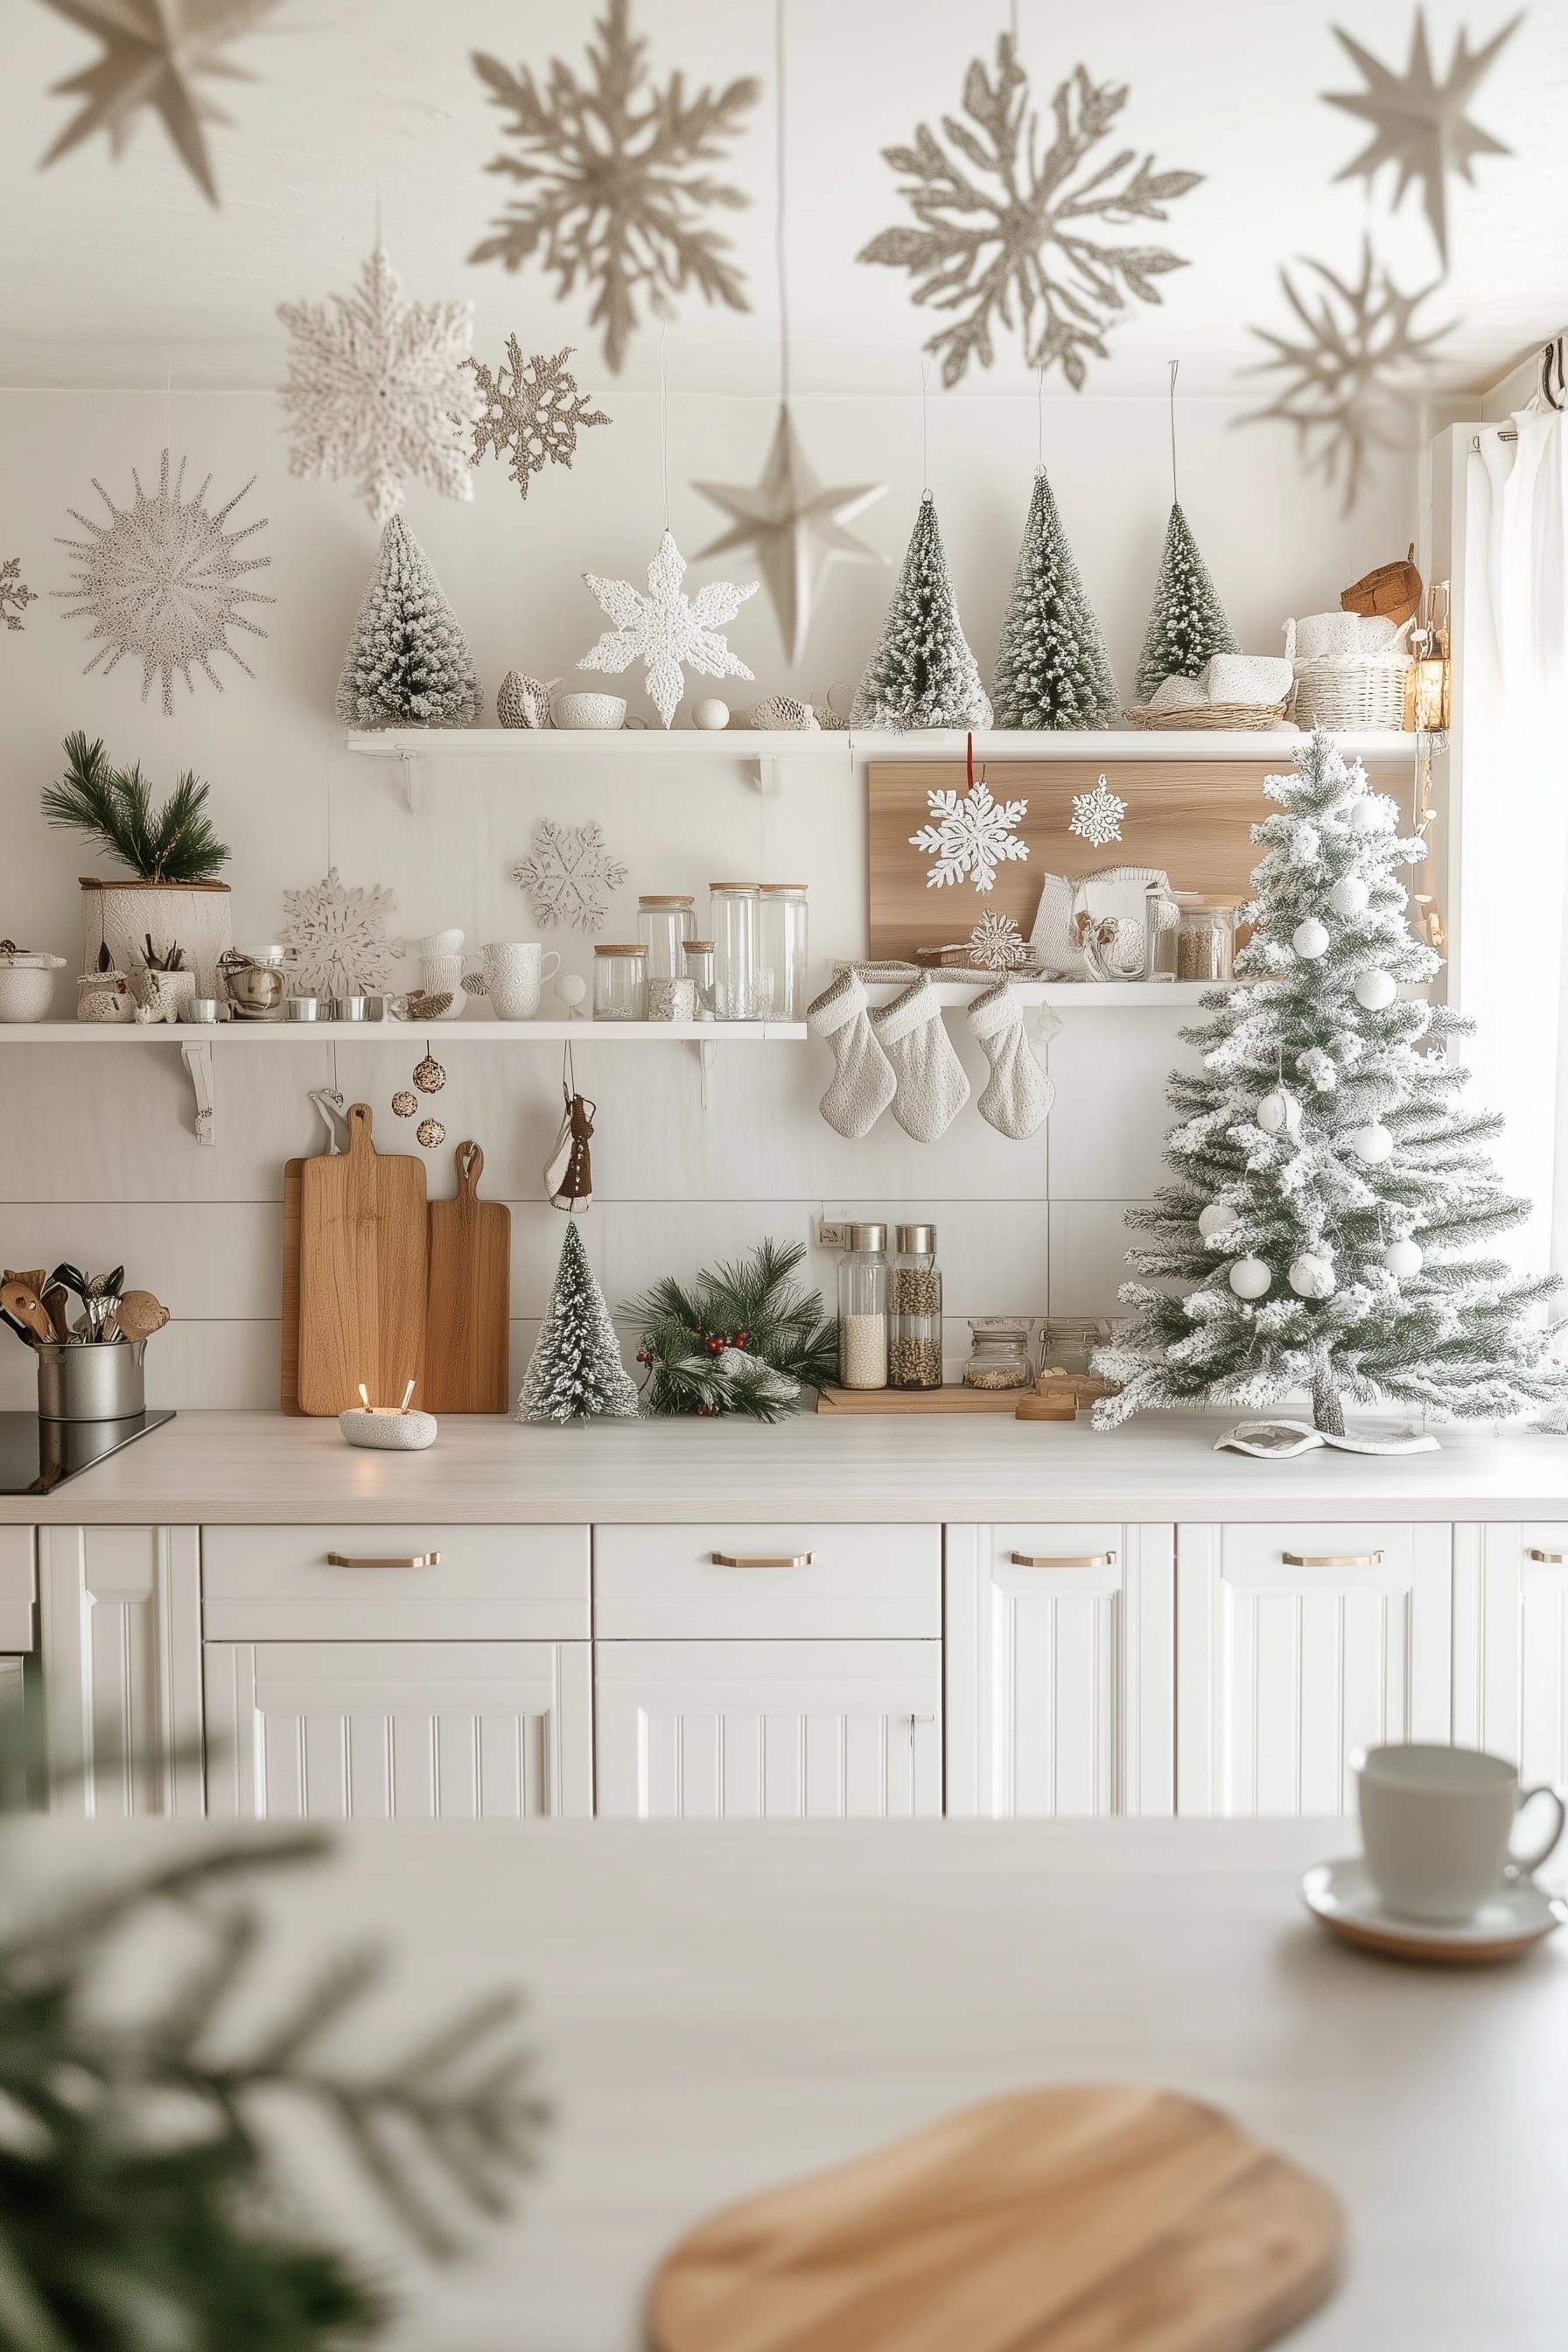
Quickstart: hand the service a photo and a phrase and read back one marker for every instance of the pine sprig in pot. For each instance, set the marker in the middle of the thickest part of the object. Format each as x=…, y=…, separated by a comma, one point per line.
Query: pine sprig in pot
x=743, y=1339
x=114, y=806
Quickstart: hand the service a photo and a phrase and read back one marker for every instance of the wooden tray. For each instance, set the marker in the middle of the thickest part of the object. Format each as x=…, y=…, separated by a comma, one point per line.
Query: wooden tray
x=944, y=1399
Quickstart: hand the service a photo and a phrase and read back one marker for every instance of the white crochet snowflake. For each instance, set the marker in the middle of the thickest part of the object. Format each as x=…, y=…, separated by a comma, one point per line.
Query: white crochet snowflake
x=995, y=943
x=569, y=875
x=667, y=630
x=973, y=835
x=337, y=938
x=384, y=389
x=1097, y=815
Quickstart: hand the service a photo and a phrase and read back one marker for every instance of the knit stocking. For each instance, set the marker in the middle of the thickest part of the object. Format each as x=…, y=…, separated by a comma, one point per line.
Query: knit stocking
x=863, y=1083
x=931, y=1087
x=1019, y=1094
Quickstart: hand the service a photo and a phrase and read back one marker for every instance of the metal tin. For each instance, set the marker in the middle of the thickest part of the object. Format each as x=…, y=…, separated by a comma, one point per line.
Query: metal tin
x=304, y=1008
x=105, y=1381
x=915, y=1241
x=350, y=1008
x=203, y=1011
x=869, y=1237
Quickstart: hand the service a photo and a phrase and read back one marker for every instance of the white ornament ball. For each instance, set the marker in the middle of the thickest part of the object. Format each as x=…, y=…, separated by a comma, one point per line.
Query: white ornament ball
x=1375, y=990
x=1280, y=1113
x=1403, y=1259
x=572, y=988
x=1216, y=1220
x=1250, y=1277
x=1350, y=895
x=1311, y=1276
x=1311, y=939
x=1365, y=815
x=711, y=714
x=1373, y=1143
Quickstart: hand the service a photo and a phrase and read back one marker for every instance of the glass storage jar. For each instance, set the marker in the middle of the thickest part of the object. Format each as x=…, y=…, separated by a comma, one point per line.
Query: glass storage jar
x=863, y=1310
x=734, y=908
x=782, y=927
x=1205, y=937
x=699, y=959
x=998, y=1355
x=914, y=1310
x=619, y=993
x=664, y=926
x=1162, y=930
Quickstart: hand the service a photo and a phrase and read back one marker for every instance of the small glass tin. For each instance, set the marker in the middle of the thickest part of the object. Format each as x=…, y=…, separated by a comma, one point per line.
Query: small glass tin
x=620, y=983
x=998, y=1354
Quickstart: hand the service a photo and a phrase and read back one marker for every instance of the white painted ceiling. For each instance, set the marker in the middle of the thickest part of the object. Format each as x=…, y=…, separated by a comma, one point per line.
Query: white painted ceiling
x=115, y=271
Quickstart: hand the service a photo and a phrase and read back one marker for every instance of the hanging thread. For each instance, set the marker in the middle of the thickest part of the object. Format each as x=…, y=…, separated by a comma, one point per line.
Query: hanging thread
x=925, y=388
x=1013, y=17
x=779, y=214
x=1040, y=417
x=168, y=408
x=1175, y=365
x=664, y=418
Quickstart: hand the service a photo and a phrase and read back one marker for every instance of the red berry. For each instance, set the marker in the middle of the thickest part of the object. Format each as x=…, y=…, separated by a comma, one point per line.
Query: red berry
x=742, y=1339
x=715, y=1345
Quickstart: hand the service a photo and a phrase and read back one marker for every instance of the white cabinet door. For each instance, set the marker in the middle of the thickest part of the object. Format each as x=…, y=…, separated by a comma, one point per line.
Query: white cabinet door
x=1510, y=1644
x=1295, y=1647
x=1060, y=1669
x=399, y=1730
x=119, y=1644
x=769, y=1730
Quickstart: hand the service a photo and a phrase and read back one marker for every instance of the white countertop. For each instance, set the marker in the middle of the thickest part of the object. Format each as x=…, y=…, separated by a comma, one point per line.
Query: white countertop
x=239, y=1468
x=716, y=2010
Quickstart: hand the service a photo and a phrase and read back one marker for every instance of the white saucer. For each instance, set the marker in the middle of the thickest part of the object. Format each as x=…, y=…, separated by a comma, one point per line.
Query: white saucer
x=1342, y=1899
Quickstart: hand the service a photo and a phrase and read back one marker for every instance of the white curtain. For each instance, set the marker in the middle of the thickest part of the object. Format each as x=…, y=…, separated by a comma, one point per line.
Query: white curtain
x=1511, y=717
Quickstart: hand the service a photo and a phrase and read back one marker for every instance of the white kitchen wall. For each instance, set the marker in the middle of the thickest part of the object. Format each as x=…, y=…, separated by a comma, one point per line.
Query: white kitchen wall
x=96, y=1157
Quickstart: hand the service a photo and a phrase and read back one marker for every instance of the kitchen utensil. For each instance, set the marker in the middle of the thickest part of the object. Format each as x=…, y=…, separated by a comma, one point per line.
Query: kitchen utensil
x=137, y=1315
x=99, y=1382
x=21, y=1299
x=362, y=1249
x=466, y=1333
x=303, y=1008
x=1342, y=1899
x=55, y=1297
x=334, y=1118
x=1088, y=2215
x=27, y=982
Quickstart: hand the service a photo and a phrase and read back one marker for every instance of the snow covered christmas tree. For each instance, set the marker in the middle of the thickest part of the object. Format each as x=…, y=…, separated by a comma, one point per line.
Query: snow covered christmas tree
x=1052, y=666
x=1188, y=623
x=576, y=1372
x=922, y=673
x=1328, y=1187
x=408, y=662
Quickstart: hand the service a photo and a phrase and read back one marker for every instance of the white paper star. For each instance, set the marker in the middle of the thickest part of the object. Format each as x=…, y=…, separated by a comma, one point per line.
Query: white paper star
x=1097, y=815
x=667, y=630
x=384, y=389
x=794, y=526
x=1417, y=124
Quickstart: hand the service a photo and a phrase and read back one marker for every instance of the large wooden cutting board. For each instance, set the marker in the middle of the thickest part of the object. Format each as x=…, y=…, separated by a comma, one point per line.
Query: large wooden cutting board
x=289, y=1365
x=469, y=1297
x=361, y=1273
x=1090, y=2219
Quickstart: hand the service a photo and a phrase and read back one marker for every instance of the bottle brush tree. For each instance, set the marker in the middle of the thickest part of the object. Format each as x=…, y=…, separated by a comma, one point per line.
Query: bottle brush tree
x=1188, y=623
x=1331, y=1193
x=576, y=1372
x=1052, y=666
x=408, y=662
x=113, y=806
x=922, y=673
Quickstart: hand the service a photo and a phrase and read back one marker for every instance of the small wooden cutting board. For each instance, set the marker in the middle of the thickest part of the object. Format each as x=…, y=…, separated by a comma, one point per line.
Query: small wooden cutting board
x=361, y=1273
x=469, y=1297
x=1088, y=2219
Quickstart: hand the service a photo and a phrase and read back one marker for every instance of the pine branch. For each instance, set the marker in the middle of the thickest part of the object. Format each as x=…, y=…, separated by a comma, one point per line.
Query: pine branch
x=114, y=806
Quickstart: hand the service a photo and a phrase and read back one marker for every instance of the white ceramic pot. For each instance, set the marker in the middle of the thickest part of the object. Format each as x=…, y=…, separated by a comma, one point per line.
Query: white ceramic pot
x=591, y=711
x=511, y=974
x=28, y=984
x=194, y=916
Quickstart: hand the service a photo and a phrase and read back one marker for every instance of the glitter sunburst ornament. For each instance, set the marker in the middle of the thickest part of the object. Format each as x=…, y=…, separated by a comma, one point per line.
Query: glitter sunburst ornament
x=1420, y=125
x=336, y=938
x=383, y=388
x=667, y=630
x=996, y=944
x=531, y=411
x=153, y=56
x=161, y=581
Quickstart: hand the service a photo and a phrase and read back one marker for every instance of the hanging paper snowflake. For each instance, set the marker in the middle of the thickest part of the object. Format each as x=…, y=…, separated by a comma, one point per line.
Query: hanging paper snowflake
x=15, y=595
x=996, y=944
x=154, y=59
x=160, y=579
x=337, y=939
x=569, y=875
x=973, y=835
x=531, y=413
x=1097, y=815
x=667, y=630
x=384, y=389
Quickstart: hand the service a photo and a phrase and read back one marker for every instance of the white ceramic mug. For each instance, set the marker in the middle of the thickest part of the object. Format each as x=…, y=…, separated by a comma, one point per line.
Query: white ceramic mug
x=1437, y=1826
x=511, y=974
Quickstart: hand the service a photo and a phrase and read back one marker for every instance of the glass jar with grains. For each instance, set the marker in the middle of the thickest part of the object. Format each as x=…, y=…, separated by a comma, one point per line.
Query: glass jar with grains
x=863, y=1310
x=914, y=1310
x=998, y=1355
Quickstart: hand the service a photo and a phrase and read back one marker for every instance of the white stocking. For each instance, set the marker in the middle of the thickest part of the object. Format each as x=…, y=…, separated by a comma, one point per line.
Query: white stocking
x=1017, y=1094
x=863, y=1084
x=931, y=1087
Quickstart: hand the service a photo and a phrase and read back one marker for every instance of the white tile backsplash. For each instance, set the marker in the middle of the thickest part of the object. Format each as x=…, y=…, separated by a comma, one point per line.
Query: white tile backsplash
x=1090, y=1240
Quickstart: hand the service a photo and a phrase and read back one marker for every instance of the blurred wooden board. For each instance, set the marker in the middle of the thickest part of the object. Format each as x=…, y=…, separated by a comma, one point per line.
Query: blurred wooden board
x=289, y=1370
x=469, y=1297
x=952, y=1399
x=1088, y=2219
x=362, y=1247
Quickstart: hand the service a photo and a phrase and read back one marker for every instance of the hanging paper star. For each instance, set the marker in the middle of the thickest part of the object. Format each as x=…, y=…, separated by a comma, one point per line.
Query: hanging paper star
x=153, y=54
x=666, y=629
x=1419, y=124
x=794, y=526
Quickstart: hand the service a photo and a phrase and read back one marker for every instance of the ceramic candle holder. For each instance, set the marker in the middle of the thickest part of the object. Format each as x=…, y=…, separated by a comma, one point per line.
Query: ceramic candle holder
x=385, y=1429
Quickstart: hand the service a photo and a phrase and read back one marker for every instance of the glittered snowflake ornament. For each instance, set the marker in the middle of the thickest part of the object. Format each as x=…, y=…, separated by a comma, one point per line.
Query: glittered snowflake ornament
x=666, y=630
x=972, y=836
x=15, y=593
x=336, y=938
x=1097, y=815
x=531, y=411
x=569, y=875
x=996, y=944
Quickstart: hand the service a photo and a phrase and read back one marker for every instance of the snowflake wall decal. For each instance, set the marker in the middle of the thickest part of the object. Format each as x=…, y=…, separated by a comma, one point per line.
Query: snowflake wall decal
x=616, y=180
x=667, y=631
x=1097, y=815
x=1009, y=233
x=160, y=580
x=384, y=388
x=996, y=944
x=337, y=940
x=973, y=835
x=531, y=411
x=569, y=875
x=15, y=595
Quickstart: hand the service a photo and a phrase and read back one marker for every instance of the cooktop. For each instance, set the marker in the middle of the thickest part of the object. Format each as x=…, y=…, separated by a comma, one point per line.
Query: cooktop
x=37, y=1456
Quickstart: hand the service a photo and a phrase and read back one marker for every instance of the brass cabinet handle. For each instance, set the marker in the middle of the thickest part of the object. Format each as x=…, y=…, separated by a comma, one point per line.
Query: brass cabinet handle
x=1044, y=1560
x=1548, y=1559
x=733, y=1560
x=1332, y=1558
x=416, y=1560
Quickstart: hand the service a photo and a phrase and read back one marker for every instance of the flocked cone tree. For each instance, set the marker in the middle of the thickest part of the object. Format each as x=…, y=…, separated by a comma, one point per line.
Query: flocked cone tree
x=1052, y=666
x=576, y=1372
x=1330, y=1190
x=1186, y=622
x=922, y=673
x=408, y=662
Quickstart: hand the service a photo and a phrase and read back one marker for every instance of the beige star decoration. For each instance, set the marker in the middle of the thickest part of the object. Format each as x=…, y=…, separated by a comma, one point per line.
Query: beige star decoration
x=1418, y=124
x=794, y=528
x=154, y=51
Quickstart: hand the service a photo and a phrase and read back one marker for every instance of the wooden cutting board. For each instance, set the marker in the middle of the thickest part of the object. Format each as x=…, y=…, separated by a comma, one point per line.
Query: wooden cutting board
x=1090, y=2219
x=361, y=1273
x=289, y=1370
x=469, y=1297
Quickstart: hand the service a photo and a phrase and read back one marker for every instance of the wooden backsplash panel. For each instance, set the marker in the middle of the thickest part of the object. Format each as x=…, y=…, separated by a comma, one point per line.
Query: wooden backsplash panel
x=1193, y=818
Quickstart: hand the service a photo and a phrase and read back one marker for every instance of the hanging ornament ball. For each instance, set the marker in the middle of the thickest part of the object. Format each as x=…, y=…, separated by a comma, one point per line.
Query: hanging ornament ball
x=1216, y=1220
x=1373, y=1143
x=712, y=715
x=1404, y=1258
x=1376, y=990
x=1311, y=939
x=1350, y=895
x=573, y=989
x=429, y=1077
x=405, y=1103
x=430, y=1132
x=1280, y=1113
x=1311, y=1276
x=1250, y=1277
x=1365, y=815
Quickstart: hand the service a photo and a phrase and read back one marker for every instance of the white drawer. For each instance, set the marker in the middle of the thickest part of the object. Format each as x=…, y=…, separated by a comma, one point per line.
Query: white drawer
x=395, y=1584
x=1345, y=1555
x=15, y=1588
x=789, y=1582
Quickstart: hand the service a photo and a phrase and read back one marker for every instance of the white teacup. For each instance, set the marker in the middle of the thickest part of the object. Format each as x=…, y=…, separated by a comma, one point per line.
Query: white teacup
x=1437, y=1826
x=511, y=974
x=597, y=710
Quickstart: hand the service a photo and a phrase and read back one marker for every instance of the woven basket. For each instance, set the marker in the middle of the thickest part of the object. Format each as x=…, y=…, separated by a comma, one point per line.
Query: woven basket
x=1350, y=691
x=1252, y=717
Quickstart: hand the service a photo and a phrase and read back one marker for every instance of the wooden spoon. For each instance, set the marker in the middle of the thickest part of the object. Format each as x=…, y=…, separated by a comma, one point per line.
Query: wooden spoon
x=20, y=1299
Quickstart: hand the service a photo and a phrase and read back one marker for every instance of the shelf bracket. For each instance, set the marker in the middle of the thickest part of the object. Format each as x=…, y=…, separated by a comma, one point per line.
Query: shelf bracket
x=707, y=1052
x=197, y=1056
x=765, y=776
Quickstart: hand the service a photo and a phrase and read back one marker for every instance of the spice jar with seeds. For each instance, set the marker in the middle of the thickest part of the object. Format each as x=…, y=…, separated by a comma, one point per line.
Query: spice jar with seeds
x=914, y=1310
x=998, y=1354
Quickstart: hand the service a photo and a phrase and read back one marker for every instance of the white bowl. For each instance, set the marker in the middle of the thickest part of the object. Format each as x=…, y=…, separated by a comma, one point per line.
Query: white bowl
x=591, y=711
x=27, y=984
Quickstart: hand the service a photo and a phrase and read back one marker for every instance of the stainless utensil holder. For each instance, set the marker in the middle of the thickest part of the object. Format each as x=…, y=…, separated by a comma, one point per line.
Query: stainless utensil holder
x=102, y=1380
